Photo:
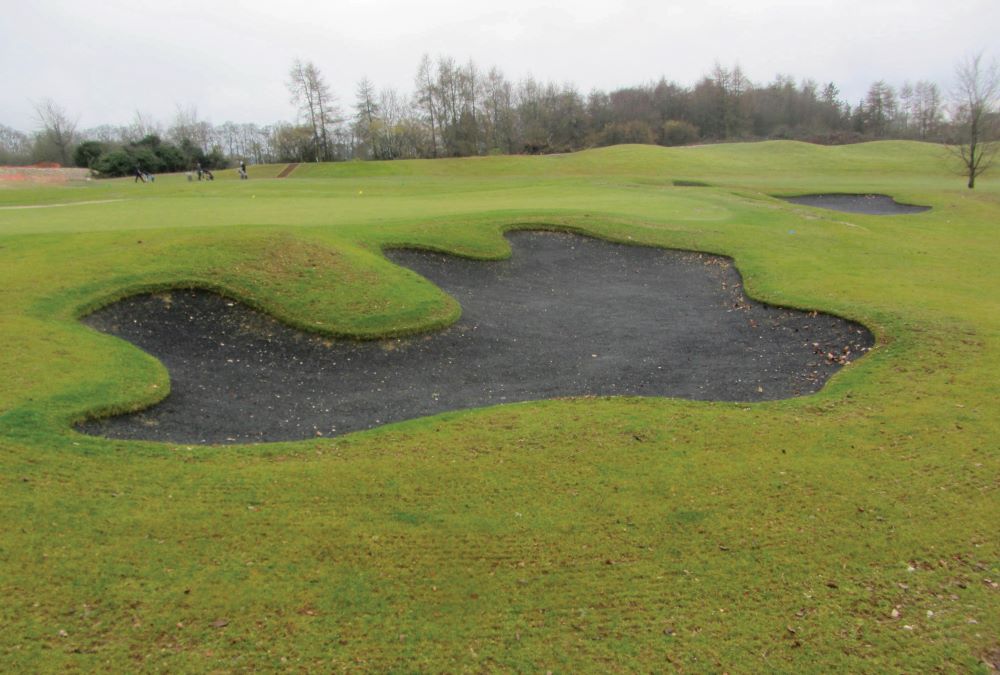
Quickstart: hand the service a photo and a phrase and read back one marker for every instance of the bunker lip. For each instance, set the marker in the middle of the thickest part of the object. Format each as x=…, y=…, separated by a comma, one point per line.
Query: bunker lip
x=868, y=204
x=565, y=315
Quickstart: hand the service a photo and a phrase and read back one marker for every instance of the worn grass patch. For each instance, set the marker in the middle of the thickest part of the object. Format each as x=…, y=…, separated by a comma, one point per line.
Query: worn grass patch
x=851, y=530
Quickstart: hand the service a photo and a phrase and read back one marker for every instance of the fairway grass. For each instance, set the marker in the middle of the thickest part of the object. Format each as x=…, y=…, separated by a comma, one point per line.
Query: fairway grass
x=852, y=530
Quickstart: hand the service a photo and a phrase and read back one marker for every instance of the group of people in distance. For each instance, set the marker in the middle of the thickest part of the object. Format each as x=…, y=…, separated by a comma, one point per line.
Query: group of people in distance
x=203, y=174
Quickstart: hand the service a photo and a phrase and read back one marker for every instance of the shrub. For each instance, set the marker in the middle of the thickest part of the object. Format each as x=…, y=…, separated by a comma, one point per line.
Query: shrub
x=155, y=156
x=634, y=131
x=678, y=132
x=86, y=153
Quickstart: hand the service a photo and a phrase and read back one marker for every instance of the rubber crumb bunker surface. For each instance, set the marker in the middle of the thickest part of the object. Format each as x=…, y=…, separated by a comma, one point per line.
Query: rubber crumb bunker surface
x=565, y=315
x=868, y=204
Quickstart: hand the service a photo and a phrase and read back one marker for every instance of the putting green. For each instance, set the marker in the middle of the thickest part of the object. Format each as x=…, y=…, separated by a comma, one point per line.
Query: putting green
x=850, y=530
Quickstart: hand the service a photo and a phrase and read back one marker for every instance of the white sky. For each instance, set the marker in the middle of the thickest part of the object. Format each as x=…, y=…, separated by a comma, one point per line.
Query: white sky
x=103, y=60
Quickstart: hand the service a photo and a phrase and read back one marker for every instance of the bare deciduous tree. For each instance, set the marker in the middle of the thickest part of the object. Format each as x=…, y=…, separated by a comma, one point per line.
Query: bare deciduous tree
x=367, y=122
x=57, y=135
x=499, y=103
x=427, y=100
x=312, y=94
x=142, y=125
x=15, y=146
x=926, y=111
x=188, y=129
x=975, y=99
x=879, y=109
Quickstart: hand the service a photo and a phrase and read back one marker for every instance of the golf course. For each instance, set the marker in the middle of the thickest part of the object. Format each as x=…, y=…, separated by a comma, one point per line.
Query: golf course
x=850, y=527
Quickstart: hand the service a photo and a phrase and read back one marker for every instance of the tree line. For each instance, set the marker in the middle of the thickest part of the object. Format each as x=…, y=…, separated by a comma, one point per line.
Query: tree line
x=460, y=109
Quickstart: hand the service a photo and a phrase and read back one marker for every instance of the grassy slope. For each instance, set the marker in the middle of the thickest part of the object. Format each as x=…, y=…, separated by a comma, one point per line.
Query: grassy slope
x=605, y=533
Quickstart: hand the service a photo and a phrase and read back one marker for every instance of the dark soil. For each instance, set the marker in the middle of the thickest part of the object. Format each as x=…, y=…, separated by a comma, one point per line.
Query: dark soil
x=287, y=171
x=564, y=316
x=872, y=205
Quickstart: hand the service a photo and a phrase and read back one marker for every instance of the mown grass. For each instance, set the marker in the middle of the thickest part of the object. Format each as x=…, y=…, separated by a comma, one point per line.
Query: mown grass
x=584, y=534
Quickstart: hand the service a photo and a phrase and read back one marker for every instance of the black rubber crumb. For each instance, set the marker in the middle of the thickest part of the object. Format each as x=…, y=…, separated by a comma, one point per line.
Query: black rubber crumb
x=872, y=205
x=566, y=315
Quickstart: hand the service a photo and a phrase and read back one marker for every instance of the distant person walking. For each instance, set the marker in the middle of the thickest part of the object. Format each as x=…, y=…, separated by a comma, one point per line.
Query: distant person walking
x=199, y=170
x=139, y=175
x=243, y=170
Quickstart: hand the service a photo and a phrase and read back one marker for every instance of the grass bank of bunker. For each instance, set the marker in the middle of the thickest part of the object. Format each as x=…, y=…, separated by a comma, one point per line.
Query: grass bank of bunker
x=565, y=315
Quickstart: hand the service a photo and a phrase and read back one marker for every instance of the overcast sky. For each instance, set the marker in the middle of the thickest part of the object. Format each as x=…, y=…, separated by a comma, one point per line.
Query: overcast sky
x=102, y=61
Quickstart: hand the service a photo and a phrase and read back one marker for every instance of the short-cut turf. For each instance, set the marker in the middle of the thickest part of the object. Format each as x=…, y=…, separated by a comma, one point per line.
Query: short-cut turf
x=850, y=530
